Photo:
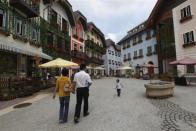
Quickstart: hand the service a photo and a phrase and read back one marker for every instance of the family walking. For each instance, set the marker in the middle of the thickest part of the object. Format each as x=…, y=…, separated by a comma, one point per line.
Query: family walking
x=64, y=86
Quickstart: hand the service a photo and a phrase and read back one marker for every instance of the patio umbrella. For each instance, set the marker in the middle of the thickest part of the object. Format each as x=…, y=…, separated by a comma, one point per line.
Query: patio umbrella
x=150, y=66
x=184, y=61
x=125, y=68
x=58, y=63
x=99, y=68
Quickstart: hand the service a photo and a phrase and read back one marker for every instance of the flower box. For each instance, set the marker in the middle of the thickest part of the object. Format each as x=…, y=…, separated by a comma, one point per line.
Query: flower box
x=189, y=44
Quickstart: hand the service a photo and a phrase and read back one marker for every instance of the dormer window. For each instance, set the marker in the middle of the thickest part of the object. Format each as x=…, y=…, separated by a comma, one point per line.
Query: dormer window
x=186, y=14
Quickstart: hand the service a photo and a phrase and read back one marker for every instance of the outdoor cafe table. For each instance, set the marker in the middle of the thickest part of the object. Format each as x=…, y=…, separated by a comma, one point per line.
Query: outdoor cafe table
x=190, y=78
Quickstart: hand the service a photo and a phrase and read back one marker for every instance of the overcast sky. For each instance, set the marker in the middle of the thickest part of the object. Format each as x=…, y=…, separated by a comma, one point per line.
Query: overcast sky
x=114, y=17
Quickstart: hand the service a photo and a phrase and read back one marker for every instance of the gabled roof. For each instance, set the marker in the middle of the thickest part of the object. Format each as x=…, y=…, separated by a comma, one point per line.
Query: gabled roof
x=131, y=33
x=157, y=7
x=93, y=27
x=110, y=42
x=68, y=8
x=80, y=17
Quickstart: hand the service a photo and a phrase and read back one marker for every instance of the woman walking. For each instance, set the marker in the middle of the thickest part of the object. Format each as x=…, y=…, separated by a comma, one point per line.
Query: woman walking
x=63, y=86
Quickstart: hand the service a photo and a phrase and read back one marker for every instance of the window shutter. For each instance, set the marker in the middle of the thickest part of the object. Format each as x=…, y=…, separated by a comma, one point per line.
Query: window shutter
x=185, y=39
x=182, y=13
x=192, y=36
x=189, y=10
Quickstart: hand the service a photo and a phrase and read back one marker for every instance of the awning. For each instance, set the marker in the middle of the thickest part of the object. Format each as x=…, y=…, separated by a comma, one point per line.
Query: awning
x=12, y=47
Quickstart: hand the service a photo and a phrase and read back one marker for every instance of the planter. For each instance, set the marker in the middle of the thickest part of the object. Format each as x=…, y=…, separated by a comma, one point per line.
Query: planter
x=160, y=90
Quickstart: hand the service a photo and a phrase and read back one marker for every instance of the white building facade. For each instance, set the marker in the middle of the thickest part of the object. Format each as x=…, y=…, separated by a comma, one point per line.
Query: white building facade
x=185, y=33
x=112, y=58
x=139, y=48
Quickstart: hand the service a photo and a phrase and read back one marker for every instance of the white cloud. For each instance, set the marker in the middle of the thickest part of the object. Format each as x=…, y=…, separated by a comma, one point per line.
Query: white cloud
x=114, y=16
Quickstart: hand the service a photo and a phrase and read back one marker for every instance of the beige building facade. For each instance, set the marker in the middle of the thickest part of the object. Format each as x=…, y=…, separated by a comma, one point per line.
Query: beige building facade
x=185, y=33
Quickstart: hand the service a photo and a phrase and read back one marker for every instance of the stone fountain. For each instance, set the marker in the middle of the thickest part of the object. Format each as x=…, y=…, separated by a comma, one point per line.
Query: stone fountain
x=160, y=89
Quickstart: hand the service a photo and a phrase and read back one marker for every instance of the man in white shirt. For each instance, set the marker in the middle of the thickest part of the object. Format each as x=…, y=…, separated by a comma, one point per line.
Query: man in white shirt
x=81, y=81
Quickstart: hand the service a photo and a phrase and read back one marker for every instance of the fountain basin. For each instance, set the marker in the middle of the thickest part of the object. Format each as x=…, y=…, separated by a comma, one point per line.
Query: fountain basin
x=160, y=89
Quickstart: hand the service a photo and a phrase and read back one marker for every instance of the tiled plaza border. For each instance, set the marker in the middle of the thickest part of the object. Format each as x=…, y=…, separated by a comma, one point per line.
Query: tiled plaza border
x=171, y=114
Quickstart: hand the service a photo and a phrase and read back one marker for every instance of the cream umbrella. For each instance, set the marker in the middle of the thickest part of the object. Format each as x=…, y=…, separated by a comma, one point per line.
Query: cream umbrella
x=58, y=63
x=125, y=68
x=99, y=68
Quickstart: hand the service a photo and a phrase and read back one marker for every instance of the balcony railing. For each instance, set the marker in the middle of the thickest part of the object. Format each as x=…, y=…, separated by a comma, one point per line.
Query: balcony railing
x=90, y=45
x=135, y=57
x=149, y=54
x=28, y=7
x=78, y=54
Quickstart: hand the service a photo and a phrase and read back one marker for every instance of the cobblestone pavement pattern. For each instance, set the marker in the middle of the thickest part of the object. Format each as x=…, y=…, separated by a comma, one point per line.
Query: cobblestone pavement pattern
x=131, y=112
x=171, y=113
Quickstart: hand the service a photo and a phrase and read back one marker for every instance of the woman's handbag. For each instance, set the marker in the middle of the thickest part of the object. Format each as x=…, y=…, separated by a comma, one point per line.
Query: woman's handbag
x=66, y=88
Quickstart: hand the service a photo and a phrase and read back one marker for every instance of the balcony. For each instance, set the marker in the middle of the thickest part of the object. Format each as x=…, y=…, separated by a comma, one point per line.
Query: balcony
x=148, y=37
x=124, y=48
x=81, y=40
x=128, y=46
x=128, y=59
x=140, y=41
x=90, y=45
x=182, y=20
x=135, y=57
x=96, y=60
x=75, y=36
x=190, y=44
x=134, y=43
x=30, y=8
x=149, y=54
x=140, y=56
x=78, y=54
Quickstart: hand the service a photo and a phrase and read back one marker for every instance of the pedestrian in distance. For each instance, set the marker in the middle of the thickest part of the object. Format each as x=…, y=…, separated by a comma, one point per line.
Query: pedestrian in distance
x=119, y=86
x=81, y=82
x=63, y=86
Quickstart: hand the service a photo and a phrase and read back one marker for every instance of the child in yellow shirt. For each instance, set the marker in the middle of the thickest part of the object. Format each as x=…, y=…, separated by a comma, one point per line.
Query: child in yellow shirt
x=63, y=85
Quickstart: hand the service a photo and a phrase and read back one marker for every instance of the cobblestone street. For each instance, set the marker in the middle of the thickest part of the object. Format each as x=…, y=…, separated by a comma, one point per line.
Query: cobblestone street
x=131, y=112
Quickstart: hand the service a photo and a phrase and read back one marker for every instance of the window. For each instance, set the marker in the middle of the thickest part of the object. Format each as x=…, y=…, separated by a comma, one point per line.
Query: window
x=140, y=52
x=129, y=55
x=140, y=38
x=116, y=53
x=190, y=69
x=149, y=50
x=109, y=51
x=18, y=27
x=2, y=18
x=34, y=34
x=50, y=39
x=75, y=46
x=135, y=53
x=65, y=26
x=185, y=12
x=112, y=62
x=92, y=39
x=125, y=56
x=88, y=37
x=124, y=45
x=112, y=52
x=155, y=49
x=54, y=16
x=134, y=40
x=148, y=35
x=59, y=20
x=109, y=61
x=188, y=37
x=81, y=48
